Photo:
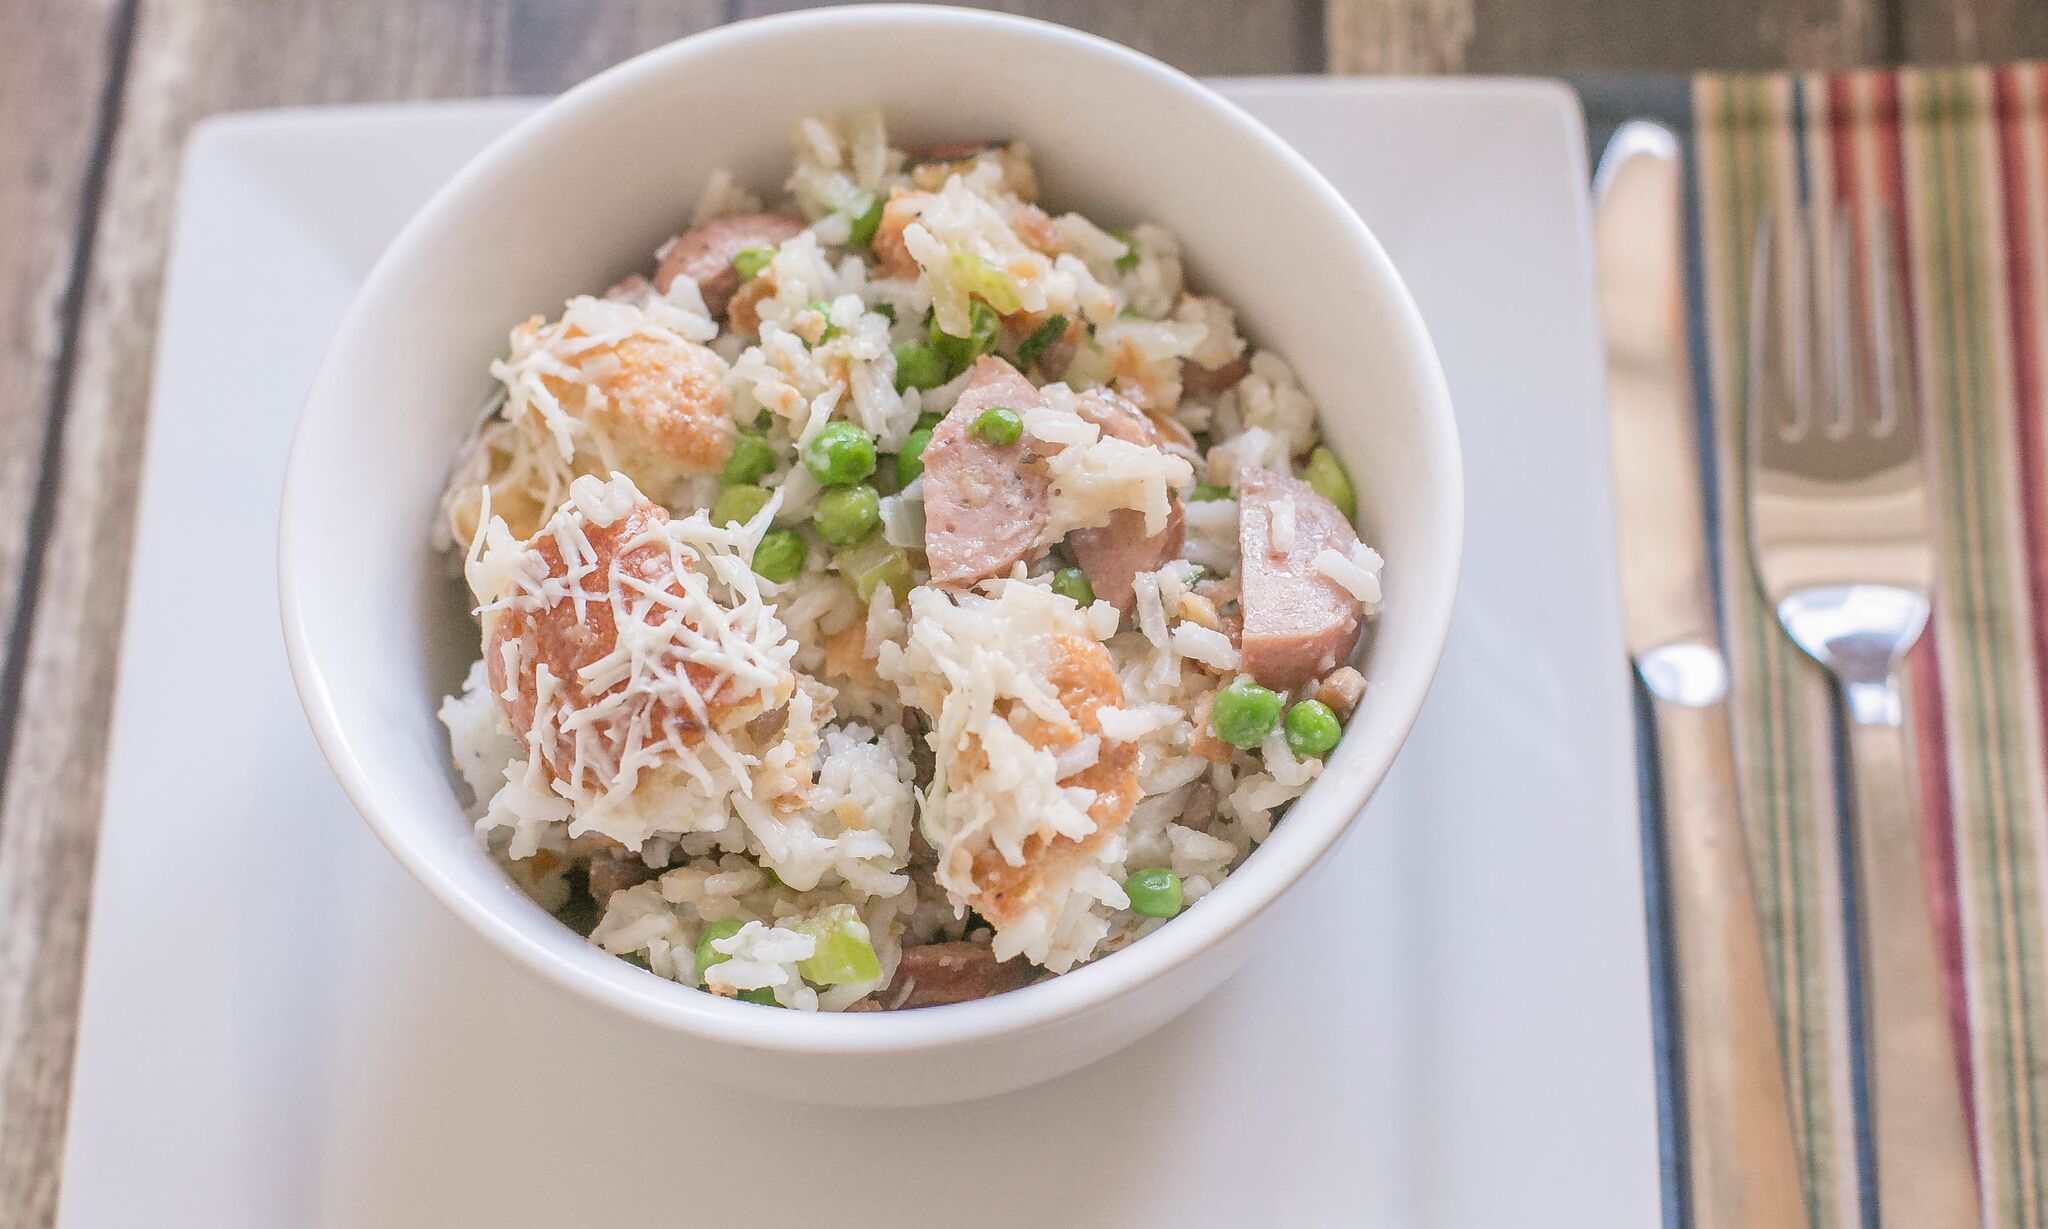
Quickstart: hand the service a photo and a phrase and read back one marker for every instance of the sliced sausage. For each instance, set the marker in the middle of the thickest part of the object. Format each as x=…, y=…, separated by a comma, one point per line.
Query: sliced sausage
x=1210, y=382
x=615, y=872
x=1113, y=554
x=936, y=165
x=985, y=505
x=1298, y=623
x=704, y=253
x=936, y=974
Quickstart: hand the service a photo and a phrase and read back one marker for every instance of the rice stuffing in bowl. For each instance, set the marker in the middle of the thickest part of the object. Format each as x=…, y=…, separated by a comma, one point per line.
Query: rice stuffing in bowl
x=899, y=594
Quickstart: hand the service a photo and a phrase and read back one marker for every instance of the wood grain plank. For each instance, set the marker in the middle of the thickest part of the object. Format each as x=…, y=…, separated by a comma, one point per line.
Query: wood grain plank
x=1197, y=36
x=1584, y=36
x=190, y=58
x=51, y=103
x=1962, y=31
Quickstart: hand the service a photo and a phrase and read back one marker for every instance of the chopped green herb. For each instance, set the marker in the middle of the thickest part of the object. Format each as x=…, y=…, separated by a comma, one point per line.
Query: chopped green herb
x=960, y=352
x=1029, y=350
x=862, y=232
x=1129, y=260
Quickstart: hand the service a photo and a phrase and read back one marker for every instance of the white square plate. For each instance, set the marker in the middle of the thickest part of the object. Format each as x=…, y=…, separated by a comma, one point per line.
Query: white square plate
x=280, y=1029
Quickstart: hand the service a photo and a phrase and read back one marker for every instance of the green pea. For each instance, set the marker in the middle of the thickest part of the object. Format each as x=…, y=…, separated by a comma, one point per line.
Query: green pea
x=752, y=459
x=927, y=420
x=1326, y=474
x=1044, y=335
x=1312, y=729
x=1206, y=491
x=1073, y=583
x=862, y=233
x=738, y=504
x=780, y=556
x=910, y=462
x=723, y=928
x=1154, y=892
x=751, y=260
x=848, y=515
x=840, y=453
x=763, y=996
x=918, y=366
x=1243, y=713
x=999, y=425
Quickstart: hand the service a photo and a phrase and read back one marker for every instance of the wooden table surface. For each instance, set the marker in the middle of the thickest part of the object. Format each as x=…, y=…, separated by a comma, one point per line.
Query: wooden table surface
x=96, y=97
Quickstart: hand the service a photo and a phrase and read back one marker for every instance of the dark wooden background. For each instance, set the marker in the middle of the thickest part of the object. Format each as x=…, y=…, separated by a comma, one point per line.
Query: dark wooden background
x=96, y=97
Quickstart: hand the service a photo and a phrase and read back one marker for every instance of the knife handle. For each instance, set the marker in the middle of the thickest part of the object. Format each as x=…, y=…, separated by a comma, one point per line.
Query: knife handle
x=1743, y=1170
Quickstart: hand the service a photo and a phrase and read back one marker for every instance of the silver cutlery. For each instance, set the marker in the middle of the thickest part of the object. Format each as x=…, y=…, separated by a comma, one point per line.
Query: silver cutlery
x=1742, y=1170
x=1840, y=533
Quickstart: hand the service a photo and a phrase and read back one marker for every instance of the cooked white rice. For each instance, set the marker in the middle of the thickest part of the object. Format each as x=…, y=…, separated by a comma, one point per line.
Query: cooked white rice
x=791, y=782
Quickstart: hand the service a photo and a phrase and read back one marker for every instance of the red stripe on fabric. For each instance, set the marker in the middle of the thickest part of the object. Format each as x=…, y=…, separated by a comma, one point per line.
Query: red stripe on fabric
x=1923, y=666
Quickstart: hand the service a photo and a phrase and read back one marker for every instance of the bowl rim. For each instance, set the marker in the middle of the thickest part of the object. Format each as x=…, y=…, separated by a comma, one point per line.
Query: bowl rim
x=1315, y=823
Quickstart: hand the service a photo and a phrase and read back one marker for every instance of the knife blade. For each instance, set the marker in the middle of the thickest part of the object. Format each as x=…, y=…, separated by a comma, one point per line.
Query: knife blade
x=1742, y=1169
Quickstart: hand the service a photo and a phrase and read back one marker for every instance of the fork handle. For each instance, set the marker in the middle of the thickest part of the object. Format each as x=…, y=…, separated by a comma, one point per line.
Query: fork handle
x=1743, y=1171
x=1926, y=1174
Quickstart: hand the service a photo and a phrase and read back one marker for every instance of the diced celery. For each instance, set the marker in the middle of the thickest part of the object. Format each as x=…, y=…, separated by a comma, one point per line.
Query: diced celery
x=873, y=564
x=1326, y=474
x=984, y=281
x=843, y=953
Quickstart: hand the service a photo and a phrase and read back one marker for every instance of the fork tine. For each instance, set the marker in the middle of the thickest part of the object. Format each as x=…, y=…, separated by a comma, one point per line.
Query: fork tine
x=1849, y=338
x=1898, y=400
x=1774, y=399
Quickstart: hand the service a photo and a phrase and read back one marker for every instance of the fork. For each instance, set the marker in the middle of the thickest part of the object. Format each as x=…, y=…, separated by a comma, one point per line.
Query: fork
x=1839, y=532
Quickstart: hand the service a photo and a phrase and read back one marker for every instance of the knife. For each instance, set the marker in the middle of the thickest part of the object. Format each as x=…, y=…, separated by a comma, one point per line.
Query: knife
x=1742, y=1171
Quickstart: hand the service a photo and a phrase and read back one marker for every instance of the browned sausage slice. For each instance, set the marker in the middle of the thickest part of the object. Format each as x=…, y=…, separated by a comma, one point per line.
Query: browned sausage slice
x=936, y=974
x=705, y=253
x=615, y=872
x=1298, y=623
x=1112, y=555
x=985, y=505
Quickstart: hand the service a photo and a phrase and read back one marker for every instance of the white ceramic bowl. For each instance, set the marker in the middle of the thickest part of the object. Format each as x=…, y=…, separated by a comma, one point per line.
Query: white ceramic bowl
x=581, y=193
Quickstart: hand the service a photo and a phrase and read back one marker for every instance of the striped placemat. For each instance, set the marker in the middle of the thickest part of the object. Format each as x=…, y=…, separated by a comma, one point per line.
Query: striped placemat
x=1951, y=166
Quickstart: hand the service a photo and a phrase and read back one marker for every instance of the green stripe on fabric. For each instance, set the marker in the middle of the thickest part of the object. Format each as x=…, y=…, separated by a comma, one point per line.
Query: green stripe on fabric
x=1780, y=791
x=1978, y=551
